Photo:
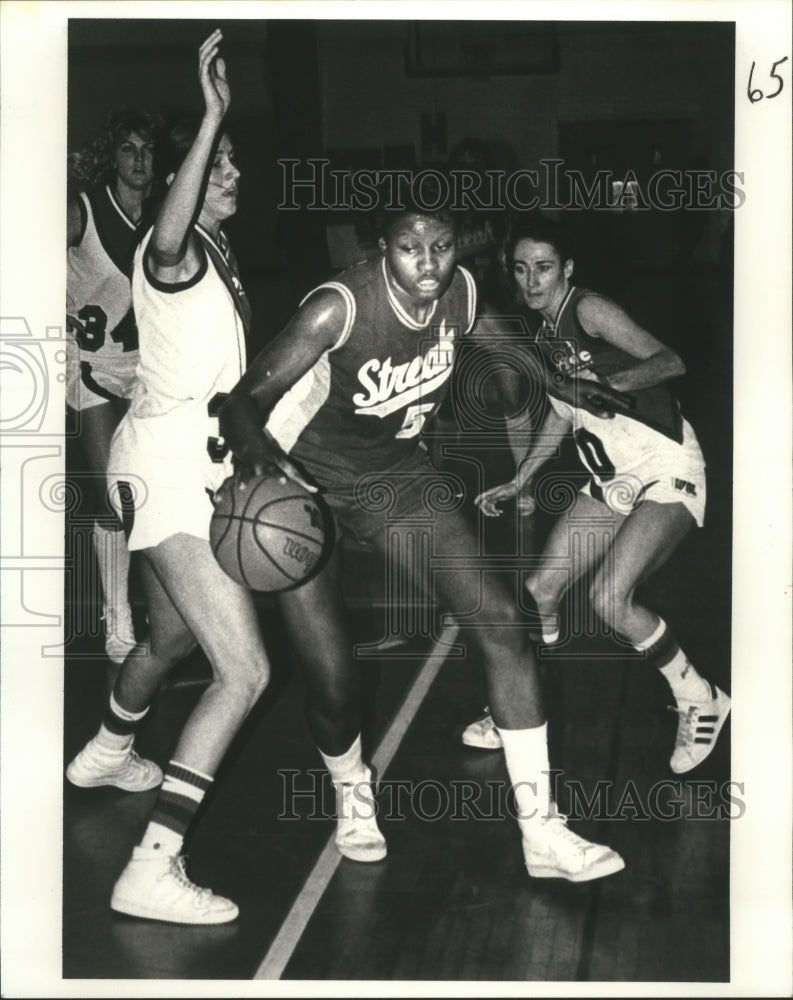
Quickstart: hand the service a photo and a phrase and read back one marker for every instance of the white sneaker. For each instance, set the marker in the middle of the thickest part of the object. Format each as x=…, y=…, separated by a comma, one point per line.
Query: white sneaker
x=551, y=850
x=154, y=885
x=119, y=632
x=95, y=765
x=483, y=733
x=357, y=835
x=698, y=727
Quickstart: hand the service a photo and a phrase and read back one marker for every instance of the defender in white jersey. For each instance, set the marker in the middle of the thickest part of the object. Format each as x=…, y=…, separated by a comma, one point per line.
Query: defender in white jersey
x=165, y=457
x=629, y=463
x=646, y=474
x=192, y=354
x=116, y=170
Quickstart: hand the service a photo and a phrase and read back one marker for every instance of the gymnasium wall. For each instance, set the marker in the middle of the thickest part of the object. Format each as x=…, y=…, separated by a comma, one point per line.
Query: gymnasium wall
x=612, y=70
x=301, y=88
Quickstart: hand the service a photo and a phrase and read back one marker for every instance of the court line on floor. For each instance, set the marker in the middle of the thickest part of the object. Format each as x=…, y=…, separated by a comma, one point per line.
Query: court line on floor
x=291, y=930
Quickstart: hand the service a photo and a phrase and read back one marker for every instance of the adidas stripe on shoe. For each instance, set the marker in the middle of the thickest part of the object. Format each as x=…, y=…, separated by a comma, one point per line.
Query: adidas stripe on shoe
x=698, y=728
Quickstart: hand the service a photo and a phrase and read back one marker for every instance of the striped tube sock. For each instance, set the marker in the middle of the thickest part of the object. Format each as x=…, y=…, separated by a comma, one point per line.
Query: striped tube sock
x=118, y=726
x=182, y=792
x=665, y=654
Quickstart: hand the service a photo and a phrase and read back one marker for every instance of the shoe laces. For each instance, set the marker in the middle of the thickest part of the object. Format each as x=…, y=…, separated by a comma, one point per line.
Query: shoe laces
x=686, y=719
x=564, y=833
x=179, y=872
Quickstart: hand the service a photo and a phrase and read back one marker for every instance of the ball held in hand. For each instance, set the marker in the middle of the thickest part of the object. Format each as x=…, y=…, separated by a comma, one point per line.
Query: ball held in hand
x=268, y=536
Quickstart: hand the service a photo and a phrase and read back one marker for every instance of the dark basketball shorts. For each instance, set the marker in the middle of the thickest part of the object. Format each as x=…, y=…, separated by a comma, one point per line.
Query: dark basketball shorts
x=413, y=492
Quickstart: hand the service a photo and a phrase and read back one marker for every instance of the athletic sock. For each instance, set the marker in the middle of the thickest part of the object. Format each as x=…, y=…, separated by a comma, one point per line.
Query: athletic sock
x=348, y=766
x=665, y=654
x=112, y=555
x=182, y=792
x=118, y=726
x=526, y=752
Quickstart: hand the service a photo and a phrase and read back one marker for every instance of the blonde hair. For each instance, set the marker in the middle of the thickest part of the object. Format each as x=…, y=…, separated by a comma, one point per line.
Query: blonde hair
x=94, y=164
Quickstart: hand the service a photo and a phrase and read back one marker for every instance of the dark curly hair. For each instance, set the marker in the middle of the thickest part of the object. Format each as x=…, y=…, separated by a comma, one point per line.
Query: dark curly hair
x=94, y=164
x=426, y=192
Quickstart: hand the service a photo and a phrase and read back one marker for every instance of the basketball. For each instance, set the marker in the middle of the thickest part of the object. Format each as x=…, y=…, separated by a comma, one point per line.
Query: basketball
x=268, y=536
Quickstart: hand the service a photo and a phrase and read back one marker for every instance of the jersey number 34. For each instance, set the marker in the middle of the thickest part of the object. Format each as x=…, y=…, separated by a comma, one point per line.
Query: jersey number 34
x=91, y=331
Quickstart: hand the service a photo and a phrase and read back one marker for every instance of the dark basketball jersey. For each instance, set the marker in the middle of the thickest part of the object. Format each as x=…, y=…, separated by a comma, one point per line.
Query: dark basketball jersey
x=361, y=407
x=569, y=349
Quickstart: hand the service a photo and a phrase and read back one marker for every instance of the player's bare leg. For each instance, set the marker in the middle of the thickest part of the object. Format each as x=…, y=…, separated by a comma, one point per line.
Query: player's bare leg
x=168, y=643
x=109, y=758
x=316, y=619
x=551, y=850
x=220, y=614
x=645, y=541
x=97, y=426
x=569, y=554
x=548, y=583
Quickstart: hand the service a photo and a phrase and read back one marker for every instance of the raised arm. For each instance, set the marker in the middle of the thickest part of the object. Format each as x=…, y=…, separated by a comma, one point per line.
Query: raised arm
x=170, y=244
x=655, y=362
x=314, y=329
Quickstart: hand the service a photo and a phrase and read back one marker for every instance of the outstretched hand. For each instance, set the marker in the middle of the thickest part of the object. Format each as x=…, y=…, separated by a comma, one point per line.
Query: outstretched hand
x=592, y=395
x=489, y=501
x=212, y=75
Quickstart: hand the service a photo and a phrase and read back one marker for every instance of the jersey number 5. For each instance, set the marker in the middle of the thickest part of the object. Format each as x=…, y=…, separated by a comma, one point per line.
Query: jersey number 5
x=414, y=420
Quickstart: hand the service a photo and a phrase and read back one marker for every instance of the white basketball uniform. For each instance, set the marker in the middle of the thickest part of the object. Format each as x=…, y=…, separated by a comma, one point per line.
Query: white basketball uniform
x=167, y=448
x=102, y=340
x=631, y=462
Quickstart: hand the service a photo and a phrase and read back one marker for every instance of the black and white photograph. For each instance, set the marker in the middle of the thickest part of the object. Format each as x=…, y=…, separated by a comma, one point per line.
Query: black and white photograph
x=396, y=528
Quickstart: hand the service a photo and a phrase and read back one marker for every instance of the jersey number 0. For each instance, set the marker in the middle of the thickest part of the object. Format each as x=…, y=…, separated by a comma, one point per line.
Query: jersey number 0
x=591, y=450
